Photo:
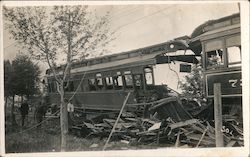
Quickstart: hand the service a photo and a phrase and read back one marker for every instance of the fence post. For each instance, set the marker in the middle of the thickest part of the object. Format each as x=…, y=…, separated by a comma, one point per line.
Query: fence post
x=218, y=115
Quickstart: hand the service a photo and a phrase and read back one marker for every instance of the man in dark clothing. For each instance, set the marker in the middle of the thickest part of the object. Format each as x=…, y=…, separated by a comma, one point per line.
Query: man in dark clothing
x=40, y=113
x=24, y=109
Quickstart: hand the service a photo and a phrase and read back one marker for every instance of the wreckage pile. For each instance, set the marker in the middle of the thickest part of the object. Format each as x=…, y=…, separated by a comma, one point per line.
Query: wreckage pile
x=168, y=125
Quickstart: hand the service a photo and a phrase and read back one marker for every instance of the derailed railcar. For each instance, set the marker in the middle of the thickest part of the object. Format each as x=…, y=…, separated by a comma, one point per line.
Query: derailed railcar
x=219, y=44
x=101, y=84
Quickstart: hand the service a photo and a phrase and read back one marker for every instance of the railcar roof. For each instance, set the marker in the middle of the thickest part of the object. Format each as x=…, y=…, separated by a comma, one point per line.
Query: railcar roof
x=212, y=27
x=129, y=57
x=215, y=24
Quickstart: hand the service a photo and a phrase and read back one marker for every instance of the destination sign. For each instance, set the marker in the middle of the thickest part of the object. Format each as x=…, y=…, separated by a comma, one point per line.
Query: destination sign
x=231, y=83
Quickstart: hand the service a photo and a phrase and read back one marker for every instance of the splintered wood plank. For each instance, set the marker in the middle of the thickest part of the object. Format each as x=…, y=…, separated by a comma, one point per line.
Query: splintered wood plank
x=184, y=123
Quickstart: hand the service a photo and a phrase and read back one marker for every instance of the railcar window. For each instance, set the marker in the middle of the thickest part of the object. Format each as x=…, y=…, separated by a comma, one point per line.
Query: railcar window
x=148, y=76
x=91, y=83
x=128, y=79
x=99, y=83
x=138, y=81
x=109, y=82
x=234, y=56
x=118, y=82
x=215, y=58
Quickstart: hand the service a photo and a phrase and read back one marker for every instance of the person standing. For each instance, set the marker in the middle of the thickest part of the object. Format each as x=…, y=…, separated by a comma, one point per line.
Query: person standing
x=40, y=113
x=70, y=109
x=24, y=109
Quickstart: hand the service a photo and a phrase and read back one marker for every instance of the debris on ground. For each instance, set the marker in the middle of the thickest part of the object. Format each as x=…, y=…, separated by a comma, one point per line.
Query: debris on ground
x=172, y=126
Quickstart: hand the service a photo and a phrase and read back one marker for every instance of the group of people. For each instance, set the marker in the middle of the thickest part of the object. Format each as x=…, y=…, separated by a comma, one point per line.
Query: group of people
x=40, y=110
x=39, y=113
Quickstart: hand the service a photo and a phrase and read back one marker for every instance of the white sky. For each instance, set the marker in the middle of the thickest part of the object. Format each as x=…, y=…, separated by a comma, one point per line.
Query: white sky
x=143, y=25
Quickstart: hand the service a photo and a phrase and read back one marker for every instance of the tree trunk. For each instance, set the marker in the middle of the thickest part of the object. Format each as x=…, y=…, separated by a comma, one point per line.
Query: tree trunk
x=6, y=105
x=13, y=118
x=63, y=120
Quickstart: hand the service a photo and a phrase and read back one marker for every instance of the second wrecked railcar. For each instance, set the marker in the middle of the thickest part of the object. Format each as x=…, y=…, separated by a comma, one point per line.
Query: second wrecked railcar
x=219, y=44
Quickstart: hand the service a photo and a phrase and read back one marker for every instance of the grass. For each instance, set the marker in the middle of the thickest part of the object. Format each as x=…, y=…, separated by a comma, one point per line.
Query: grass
x=47, y=139
x=23, y=139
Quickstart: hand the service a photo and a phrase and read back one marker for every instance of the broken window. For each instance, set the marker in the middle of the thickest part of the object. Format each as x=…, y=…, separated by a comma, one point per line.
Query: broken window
x=109, y=82
x=214, y=54
x=148, y=76
x=118, y=81
x=99, y=81
x=138, y=81
x=128, y=79
x=91, y=83
x=234, y=56
x=215, y=58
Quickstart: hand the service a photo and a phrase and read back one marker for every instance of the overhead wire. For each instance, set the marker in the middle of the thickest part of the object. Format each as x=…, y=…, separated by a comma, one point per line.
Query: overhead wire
x=139, y=19
x=125, y=12
x=129, y=12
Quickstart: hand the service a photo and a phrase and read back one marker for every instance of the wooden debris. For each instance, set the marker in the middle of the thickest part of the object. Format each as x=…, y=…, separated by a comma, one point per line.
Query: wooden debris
x=177, y=143
x=162, y=127
x=94, y=145
x=181, y=124
x=124, y=141
x=155, y=126
x=201, y=138
x=231, y=143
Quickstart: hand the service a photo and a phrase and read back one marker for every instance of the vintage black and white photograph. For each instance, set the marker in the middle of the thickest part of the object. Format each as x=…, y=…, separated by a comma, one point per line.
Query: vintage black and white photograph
x=98, y=76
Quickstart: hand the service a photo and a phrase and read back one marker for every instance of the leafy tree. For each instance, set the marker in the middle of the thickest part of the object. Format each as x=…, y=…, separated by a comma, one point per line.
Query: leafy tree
x=59, y=33
x=25, y=76
x=20, y=78
x=8, y=88
x=193, y=87
x=7, y=79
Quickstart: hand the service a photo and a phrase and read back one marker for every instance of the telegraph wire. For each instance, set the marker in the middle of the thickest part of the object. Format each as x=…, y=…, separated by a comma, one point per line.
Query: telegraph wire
x=126, y=13
x=141, y=18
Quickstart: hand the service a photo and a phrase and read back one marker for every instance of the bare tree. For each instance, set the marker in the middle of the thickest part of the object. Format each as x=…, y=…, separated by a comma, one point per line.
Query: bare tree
x=59, y=34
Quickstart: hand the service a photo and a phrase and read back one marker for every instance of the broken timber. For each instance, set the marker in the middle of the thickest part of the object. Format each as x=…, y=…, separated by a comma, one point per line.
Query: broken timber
x=113, y=129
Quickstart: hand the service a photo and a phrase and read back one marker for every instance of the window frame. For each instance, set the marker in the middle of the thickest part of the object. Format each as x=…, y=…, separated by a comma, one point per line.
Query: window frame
x=224, y=54
x=234, y=44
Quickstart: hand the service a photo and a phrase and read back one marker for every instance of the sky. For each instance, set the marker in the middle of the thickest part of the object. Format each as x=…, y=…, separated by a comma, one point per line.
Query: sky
x=140, y=25
x=143, y=25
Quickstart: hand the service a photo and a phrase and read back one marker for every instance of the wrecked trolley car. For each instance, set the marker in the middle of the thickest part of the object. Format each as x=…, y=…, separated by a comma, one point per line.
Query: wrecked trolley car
x=101, y=84
x=219, y=44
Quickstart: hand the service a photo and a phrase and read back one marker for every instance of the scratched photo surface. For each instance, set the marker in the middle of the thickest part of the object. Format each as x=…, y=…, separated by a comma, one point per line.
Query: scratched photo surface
x=90, y=77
